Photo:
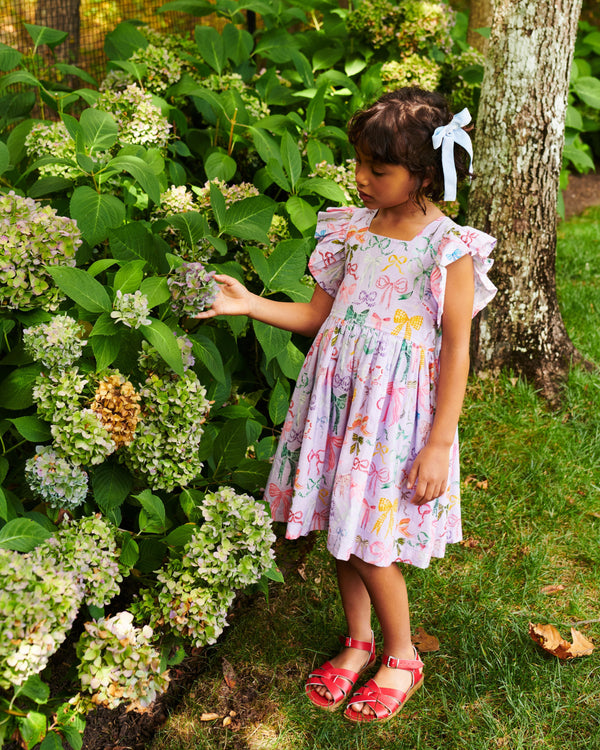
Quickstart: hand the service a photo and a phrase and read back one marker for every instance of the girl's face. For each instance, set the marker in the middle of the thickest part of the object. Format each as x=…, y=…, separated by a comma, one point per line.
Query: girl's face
x=382, y=185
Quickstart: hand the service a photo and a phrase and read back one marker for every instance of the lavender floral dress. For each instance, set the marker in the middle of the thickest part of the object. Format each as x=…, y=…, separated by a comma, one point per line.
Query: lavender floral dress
x=365, y=397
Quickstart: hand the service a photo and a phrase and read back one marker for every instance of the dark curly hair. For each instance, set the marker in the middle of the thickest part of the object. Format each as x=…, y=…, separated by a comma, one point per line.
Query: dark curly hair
x=398, y=128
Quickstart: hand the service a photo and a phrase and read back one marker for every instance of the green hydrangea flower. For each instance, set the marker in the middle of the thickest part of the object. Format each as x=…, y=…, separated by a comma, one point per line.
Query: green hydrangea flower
x=57, y=344
x=55, y=479
x=38, y=605
x=31, y=238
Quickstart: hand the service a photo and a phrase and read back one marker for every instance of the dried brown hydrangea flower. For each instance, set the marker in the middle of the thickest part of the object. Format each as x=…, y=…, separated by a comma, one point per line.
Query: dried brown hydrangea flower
x=116, y=404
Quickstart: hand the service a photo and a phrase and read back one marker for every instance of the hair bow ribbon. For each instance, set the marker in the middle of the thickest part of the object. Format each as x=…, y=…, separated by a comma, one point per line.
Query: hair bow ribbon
x=446, y=136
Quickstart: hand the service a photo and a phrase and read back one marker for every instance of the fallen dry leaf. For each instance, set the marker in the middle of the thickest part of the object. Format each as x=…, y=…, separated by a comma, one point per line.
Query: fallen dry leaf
x=227, y=721
x=479, y=484
x=209, y=717
x=548, y=637
x=425, y=642
x=470, y=543
x=302, y=571
x=229, y=674
x=553, y=589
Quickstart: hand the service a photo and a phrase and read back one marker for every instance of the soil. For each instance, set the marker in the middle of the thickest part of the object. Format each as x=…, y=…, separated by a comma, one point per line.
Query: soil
x=582, y=192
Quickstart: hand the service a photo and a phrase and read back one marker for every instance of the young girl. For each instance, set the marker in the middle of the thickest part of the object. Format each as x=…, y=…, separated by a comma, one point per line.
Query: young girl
x=369, y=449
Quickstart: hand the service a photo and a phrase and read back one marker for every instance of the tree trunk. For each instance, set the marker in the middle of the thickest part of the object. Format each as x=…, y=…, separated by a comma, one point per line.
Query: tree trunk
x=480, y=17
x=62, y=15
x=518, y=148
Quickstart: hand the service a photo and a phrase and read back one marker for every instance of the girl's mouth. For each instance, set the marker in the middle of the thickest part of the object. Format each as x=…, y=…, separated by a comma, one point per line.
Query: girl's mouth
x=364, y=197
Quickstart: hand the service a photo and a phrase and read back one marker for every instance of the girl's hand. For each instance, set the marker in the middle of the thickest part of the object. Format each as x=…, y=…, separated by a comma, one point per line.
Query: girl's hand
x=429, y=473
x=233, y=298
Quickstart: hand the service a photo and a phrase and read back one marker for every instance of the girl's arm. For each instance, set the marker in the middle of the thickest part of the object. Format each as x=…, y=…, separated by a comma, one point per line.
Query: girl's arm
x=429, y=472
x=299, y=317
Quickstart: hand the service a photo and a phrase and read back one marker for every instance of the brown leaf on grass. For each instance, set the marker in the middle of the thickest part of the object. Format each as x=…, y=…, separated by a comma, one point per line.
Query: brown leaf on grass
x=548, y=637
x=302, y=571
x=229, y=675
x=470, y=543
x=209, y=717
x=425, y=642
x=553, y=589
x=480, y=484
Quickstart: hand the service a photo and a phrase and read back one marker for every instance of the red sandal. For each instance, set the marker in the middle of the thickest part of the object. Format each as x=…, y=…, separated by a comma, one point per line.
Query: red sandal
x=339, y=682
x=386, y=702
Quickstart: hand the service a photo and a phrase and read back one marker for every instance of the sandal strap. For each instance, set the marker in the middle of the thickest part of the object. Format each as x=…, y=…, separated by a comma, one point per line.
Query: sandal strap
x=394, y=663
x=349, y=642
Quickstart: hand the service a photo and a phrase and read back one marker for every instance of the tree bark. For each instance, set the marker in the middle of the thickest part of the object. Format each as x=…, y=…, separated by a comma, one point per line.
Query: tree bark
x=480, y=17
x=62, y=15
x=518, y=148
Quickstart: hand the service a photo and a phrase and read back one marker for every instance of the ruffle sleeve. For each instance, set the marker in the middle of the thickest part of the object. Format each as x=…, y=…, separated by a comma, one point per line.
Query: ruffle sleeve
x=454, y=244
x=328, y=261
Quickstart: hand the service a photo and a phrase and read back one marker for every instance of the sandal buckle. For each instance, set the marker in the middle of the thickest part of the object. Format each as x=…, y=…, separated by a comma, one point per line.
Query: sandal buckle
x=391, y=662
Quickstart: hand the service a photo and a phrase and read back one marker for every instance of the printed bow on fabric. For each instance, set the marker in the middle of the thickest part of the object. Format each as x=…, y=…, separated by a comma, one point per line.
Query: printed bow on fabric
x=446, y=136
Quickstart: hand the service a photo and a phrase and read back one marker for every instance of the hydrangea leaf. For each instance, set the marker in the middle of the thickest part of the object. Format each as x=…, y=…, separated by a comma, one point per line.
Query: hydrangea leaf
x=219, y=165
x=82, y=288
x=48, y=185
x=251, y=474
x=96, y=214
x=272, y=340
x=9, y=57
x=129, y=277
x=208, y=354
x=164, y=341
x=231, y=444
x=106, y=350
x=292, y=160
x=211, y=47
x=22, y=535
x=156, y=290
x=302, y=214
x=140, y=171
x=279, y=401
x=32, y=428
x=111, y=483
x=32, y=728
x=3, y=506
x=16, y=389
x=45, y=35
x=100, y=130
x=287, y=263
x=4, y=157
x=326, y=188
x=35, y=689
x=52, y=741
x=249, y=219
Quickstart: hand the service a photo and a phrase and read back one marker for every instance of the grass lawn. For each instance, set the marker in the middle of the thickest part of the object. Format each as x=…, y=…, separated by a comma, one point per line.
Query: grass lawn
x=531, y=505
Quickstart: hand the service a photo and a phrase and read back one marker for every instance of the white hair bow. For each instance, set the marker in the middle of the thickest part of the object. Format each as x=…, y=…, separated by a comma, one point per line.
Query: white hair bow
x=446, y=136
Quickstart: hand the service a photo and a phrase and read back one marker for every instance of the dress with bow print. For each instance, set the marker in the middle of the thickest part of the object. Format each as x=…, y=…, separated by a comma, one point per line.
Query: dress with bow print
x=365, y=398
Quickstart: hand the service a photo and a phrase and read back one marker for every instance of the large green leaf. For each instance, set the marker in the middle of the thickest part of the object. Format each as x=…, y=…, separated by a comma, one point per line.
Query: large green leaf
x=152, y=518
x=100, y=130
x=230, y=445
x=96, y=214
x=219, y=165
x=32, y=727
x=211, y=47
x=272, y=340
x=22, y=535
x=138, y=169
x=44, y=35
x=315, y=112
x=133, y=240
x=292, y=160
x=111, y=483
x=192, y=225
x=82, y=288
x=16, y=389
x=164, y=341
x=32, y=428
x=279, y=401
x=197, y=8
x=207, y=353
x=9, y=57
x=123, y=41
x=251, y=474
x=587, y=89
x=18, y=76
x=302, y=214
x=156, y=290
x=129, y=277
x=106, y=350
x=35, y=689
x=266, y=146
x=47, y=186
x=238, y=43
x=325, y=188
x=249, y=219
x=4, y=157
x=287, y=264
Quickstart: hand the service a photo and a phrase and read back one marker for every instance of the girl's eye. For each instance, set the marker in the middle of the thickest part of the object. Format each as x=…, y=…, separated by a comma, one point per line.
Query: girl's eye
x=378, y=174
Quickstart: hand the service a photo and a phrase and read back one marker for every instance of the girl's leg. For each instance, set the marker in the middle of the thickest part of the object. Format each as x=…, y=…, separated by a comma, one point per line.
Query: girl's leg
x=357, y=608
x=387, y=591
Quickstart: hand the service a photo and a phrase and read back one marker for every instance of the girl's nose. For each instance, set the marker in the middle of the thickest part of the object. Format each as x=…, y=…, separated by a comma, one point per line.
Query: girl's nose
x=360, y=176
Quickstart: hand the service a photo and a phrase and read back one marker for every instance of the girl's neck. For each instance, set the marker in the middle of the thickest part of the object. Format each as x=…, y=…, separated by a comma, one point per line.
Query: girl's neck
x=404, y=222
